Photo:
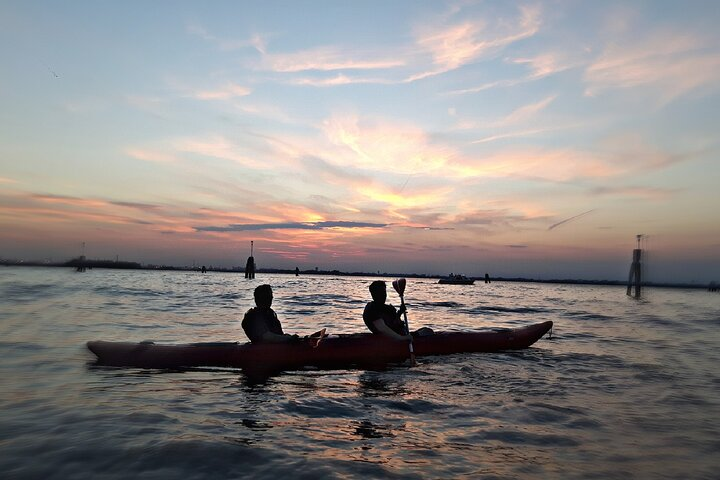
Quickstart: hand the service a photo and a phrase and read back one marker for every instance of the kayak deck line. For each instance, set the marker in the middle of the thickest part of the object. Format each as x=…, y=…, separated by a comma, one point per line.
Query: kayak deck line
x=335, y=351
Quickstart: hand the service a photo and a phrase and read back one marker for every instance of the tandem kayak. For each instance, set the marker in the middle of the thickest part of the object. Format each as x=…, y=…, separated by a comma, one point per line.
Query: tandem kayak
x=341, y=351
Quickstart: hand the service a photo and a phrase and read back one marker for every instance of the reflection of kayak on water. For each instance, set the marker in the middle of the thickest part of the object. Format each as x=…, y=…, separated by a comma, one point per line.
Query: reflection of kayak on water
x=362, y=349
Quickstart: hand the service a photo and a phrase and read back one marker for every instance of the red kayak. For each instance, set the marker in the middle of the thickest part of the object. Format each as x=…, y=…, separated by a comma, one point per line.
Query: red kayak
x=342, y=351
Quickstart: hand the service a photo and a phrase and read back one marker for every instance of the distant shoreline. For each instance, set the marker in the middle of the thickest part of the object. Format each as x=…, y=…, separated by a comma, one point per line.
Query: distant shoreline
x=124, y=265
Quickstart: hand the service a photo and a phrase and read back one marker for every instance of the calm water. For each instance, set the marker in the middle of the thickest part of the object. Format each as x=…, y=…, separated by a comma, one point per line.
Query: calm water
x=624, y=389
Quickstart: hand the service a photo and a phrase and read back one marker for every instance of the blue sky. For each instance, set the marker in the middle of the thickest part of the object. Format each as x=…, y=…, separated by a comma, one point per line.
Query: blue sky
x=518, y=138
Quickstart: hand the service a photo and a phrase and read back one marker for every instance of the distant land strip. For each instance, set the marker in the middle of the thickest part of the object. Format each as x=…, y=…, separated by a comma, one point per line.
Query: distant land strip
x=128, y=265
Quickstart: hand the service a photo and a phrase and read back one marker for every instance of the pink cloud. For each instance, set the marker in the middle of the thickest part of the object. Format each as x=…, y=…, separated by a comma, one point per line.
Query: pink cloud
x=218, y=146
x=155, y=156
x=71, y=201
x=674, y=64
x=541, y=66
x=339, y=79
x=385, y=146
x=544, y=65
x=551, y=165
x=459, y=44
x=228, y=91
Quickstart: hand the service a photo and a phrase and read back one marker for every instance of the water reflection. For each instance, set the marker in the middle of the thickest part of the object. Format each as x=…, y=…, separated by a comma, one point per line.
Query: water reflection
x=379, y=384
x=255, y=424
x=367, y=429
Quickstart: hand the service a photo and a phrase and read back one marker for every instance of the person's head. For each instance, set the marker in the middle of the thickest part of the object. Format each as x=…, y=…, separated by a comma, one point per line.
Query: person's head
x=378, y=290
x=263, y=296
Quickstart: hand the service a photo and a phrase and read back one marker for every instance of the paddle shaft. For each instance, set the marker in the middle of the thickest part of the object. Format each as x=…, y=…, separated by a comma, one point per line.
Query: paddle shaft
x=407, y=329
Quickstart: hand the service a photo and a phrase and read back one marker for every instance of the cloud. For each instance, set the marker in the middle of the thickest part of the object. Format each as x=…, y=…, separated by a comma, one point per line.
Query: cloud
x=502, y=216
x=67, y=200
x=519, y=116
x=291, y=226
x=45, y=209
x=421, y=227
x=539, y=164
x=525, y=113
x=543, y=65
x=326, y=59
x=383, y=146
x=136, y=205
x=256, y=41
x=452, y=46
x=270, y=112
x=286, y=253
x=617, y=156
x=641, y=192
x=517, y=134
x=7, y=180
x=150, y=155
x=250, y=150
x=671, y=63
x=632, y=153
x=447, y=46
x=488, y=86
x=338, y=80
x=400, y=200
x=348, y=176
x=569, y=219
x=228, y=91
x=218, y=146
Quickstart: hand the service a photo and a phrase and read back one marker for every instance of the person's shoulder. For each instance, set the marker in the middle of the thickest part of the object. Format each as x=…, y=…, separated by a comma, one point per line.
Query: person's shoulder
x=371, y=306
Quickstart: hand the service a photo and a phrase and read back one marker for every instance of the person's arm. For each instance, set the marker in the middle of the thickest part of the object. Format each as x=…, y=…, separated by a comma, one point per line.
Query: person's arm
x=256, y=329
x=387, y=331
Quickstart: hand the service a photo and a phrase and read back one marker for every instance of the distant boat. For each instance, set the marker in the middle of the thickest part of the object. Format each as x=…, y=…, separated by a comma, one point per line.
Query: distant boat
x=457, y=280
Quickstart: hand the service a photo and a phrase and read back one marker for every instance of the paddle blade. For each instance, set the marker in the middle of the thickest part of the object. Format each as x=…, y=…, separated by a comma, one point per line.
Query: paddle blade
x=399, y=286
x=317, y=337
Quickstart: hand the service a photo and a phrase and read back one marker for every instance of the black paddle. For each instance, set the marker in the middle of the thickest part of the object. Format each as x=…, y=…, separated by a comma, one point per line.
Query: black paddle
x=399, y=286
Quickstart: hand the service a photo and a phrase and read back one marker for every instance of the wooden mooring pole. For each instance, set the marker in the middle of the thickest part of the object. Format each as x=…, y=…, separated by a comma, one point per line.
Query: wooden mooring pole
x=250, y=265
x=635, y=278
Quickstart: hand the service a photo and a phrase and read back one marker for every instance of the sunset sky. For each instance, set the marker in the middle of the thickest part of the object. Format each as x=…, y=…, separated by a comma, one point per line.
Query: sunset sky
x=527, y=139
